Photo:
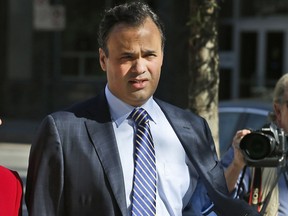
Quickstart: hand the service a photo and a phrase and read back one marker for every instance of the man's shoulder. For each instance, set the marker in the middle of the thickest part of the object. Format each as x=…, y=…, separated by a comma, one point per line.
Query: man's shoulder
x=84, y=108
x=76, y=109
x=95, y=109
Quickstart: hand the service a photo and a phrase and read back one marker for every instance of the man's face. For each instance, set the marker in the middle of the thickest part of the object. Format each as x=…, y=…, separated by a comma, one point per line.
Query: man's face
x=281, y=111
x=133, y=65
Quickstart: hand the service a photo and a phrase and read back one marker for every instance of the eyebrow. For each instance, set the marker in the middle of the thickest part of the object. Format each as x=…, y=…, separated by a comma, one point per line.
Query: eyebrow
x=145, y=52
x=150, y=51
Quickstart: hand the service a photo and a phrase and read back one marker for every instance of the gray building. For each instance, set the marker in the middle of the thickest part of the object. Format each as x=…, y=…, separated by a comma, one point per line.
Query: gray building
x=49, y=53
x=254, y=46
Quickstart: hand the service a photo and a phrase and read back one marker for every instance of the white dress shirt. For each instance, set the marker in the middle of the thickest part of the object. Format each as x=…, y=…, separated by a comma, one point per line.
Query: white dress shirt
x=174, y=183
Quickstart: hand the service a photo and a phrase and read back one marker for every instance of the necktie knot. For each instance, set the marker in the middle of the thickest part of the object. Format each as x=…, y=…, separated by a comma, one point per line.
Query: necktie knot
x=140, y=116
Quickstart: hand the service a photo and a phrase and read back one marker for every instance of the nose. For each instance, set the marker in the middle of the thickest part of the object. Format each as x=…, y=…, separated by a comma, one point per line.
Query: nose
x=139, y=65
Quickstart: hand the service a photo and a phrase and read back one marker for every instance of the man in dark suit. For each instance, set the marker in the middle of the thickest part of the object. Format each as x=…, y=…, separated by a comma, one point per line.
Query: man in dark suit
x=82, y=161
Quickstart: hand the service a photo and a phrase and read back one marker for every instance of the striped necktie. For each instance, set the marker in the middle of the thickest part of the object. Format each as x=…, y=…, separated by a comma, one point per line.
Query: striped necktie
x=144, y=183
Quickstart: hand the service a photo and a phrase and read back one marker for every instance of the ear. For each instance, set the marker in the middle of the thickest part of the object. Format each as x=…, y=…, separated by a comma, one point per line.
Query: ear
x=102, y=59
x=277, y=111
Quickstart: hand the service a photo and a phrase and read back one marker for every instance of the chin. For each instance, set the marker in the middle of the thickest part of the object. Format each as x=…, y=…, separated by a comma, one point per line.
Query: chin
x=138, y=101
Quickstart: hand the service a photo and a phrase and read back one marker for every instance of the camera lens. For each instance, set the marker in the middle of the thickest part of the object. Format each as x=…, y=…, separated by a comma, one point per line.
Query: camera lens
x=257, y=145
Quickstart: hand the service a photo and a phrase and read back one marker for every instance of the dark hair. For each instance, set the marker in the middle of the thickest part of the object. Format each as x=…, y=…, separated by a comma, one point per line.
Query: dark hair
x=133, y=14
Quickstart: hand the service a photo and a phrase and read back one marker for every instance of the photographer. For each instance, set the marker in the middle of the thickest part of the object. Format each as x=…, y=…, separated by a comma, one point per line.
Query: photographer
x=265, y=188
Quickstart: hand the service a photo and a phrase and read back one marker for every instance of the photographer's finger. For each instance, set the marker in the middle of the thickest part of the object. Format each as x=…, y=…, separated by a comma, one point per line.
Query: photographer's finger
x=238, y=136
x=245, y=132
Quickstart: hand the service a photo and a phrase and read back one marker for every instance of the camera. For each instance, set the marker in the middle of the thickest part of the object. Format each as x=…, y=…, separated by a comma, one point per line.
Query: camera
x=266, y=147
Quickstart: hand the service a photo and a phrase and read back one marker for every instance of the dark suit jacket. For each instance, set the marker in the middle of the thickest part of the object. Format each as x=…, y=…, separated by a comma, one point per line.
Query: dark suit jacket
x=75, y=169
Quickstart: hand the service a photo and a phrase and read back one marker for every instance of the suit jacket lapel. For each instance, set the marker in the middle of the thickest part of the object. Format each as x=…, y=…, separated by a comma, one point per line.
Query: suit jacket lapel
x=104, y=141
x=184, y=128
x=198, y=143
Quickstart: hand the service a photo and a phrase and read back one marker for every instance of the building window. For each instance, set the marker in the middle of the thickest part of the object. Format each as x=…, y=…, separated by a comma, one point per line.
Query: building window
x=263, y=7
x=248, y=62
x=225, y=37
x=226, y=9
x=274, y=57
x=79, y=55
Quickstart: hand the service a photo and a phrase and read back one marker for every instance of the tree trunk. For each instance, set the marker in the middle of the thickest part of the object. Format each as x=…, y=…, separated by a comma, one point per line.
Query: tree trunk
x=204, y=63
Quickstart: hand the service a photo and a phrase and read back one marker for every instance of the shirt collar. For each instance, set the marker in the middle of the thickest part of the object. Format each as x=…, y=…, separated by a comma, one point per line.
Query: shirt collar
x=120, y=110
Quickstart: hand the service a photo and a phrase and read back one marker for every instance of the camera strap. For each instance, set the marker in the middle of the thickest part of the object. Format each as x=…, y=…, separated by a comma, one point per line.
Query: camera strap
x=241, y=182
x=255, y=190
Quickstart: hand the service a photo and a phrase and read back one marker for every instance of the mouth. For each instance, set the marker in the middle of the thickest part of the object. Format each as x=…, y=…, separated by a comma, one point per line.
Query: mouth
x=138, y=83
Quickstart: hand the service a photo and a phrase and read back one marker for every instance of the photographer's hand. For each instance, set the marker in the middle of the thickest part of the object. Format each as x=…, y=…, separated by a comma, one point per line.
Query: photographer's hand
x=238, y=163
x=239, y=160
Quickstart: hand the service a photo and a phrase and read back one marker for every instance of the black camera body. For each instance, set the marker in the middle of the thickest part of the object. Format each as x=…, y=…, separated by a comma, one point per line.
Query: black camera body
x=266, y=147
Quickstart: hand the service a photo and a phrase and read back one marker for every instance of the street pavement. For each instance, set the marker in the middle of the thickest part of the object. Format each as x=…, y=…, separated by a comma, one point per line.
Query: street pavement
x=15, y=157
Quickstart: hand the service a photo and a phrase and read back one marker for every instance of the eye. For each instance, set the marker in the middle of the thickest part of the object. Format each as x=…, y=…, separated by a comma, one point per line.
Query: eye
x=150, y=55
x=126, y=57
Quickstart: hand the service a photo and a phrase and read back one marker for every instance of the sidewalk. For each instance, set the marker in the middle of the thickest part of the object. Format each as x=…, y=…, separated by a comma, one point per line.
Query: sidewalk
x=15, y=140
x=15, y=156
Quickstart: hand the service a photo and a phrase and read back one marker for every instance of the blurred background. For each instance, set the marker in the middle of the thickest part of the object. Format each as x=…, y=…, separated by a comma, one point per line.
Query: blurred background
x=49, y=57
x=49, y=52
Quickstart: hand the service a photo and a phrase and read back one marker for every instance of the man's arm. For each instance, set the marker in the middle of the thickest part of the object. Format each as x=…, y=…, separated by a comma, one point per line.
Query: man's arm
x=45, y=172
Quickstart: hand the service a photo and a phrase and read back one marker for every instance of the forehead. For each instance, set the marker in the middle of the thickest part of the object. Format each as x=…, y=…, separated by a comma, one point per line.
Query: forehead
x=122, y=28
